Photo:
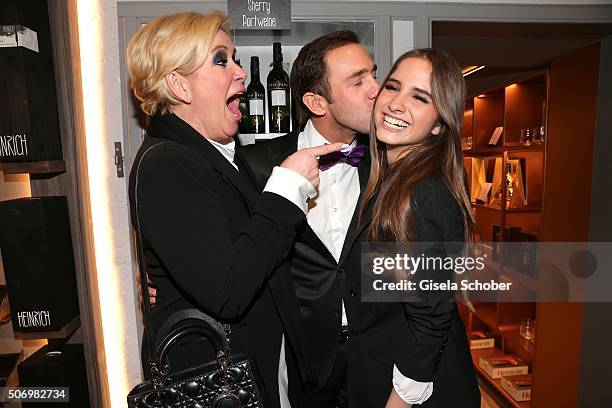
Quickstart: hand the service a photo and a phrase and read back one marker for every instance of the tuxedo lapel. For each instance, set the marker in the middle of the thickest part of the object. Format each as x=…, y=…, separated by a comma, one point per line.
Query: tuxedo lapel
x=355, y=225
x=283, y=149
x=171, y=127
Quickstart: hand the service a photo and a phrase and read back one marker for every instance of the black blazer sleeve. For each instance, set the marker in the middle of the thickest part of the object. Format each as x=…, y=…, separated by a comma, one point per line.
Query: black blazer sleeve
x=182, y=219
x=437, y=218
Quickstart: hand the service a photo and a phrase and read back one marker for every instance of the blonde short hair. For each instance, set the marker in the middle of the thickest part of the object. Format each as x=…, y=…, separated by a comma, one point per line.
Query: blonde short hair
x=177, y=42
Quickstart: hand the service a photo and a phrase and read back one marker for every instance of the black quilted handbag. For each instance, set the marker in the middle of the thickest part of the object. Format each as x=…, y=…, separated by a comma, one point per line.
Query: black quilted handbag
x=227, y=382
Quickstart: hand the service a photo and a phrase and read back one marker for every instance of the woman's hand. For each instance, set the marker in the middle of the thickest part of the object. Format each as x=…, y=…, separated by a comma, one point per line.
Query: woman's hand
x=304, y=162
x=152, y=292
x=395, y=401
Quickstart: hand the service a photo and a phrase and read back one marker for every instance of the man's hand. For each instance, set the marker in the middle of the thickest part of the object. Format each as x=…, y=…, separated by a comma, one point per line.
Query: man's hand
x=395, y=401
x=304, y=162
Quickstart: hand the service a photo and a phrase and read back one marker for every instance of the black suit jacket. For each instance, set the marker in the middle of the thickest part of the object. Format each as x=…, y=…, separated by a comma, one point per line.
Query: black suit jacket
x=213, y=242
x=425, y=340
x=319, y=282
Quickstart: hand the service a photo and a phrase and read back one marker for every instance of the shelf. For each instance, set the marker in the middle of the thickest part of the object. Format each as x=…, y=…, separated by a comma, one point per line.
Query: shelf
x=520, y=148
x=490, y=382
x=488, y=151
x=498, y=151
x=487, y=207
x=39, y=168
x=526, y=208
x=250, y=138
x=63, y=333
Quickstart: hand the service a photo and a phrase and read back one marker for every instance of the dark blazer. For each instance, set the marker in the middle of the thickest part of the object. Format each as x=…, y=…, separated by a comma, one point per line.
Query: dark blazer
x=319, y=282
x=213, y=242
x=425, y=340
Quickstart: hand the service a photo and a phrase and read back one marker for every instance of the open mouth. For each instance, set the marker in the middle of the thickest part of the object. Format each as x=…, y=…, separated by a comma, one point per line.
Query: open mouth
x=395, y=123
x=233, y=105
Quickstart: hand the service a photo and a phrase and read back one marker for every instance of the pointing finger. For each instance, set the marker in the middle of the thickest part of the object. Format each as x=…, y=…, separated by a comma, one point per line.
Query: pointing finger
x=325, y=149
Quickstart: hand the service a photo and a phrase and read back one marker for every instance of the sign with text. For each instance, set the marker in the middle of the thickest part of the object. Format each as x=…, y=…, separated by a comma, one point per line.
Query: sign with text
x=259, y=15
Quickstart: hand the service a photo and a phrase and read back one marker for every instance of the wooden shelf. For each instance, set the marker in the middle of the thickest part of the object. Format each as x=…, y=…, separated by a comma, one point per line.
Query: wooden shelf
x=520, y=148
x=39, y=168
x=63, y=333
x=488, y=207
x=538, y=99
x=490, y=151
x=498, y=151
x=490, y=382
x=526, y=208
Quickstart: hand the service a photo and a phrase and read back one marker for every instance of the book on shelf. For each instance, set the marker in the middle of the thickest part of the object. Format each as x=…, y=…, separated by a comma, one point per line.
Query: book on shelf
x=503, y=365
x=480, y=340
x=518, y=386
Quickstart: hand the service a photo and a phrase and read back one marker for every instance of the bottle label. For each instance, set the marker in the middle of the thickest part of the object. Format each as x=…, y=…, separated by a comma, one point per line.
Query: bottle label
x=256, y=107
x=278, y=98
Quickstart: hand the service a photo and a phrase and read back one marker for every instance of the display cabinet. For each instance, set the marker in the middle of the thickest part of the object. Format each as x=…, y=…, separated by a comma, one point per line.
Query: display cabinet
x=522, y=187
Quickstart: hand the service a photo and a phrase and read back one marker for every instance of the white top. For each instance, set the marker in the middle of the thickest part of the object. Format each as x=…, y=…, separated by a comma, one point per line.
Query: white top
x=227, y=150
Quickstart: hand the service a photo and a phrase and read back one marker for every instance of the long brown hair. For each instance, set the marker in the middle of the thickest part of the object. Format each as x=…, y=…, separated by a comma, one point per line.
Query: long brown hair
x=437, y=154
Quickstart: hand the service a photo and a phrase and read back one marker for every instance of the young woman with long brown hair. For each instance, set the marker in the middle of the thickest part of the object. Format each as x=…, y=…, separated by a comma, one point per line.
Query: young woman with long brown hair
x=416, y=193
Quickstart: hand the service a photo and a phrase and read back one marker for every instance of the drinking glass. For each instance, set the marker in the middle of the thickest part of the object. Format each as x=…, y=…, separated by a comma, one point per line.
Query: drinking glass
x=526, y=138
x=527, y=330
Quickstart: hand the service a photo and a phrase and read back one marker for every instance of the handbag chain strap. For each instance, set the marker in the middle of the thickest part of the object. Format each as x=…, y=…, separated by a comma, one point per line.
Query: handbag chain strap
x=157, y=373
x=157, y=368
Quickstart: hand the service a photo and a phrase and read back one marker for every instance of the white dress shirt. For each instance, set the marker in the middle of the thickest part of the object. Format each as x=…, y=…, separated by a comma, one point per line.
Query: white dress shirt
x=227, y=150
x=329, y=215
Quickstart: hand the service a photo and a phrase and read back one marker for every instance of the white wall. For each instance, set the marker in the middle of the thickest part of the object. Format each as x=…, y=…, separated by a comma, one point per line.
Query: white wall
x=124, y=369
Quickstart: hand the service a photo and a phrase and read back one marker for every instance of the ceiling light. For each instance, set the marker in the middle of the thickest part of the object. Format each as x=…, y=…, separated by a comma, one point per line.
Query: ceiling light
x=470, y=70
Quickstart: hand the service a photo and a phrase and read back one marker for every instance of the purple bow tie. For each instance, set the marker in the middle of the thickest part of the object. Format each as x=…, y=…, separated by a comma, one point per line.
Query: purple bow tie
x=351, y=157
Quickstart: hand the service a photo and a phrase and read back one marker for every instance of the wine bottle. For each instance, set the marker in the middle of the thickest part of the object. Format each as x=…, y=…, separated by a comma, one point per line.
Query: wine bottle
x=278, y=93
x=256, y=96
x=243, y=125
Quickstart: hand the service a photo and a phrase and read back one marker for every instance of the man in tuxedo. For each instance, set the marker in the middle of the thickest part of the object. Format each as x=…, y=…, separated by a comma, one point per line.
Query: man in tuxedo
x=333, y=80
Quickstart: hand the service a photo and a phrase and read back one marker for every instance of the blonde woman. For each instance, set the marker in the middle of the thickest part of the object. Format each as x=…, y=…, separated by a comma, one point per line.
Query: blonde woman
x=210, y=239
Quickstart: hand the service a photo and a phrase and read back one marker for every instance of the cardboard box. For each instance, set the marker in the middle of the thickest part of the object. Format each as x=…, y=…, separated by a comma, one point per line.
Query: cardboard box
x=518, y=386
x=480, y=340
x=503, y=365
